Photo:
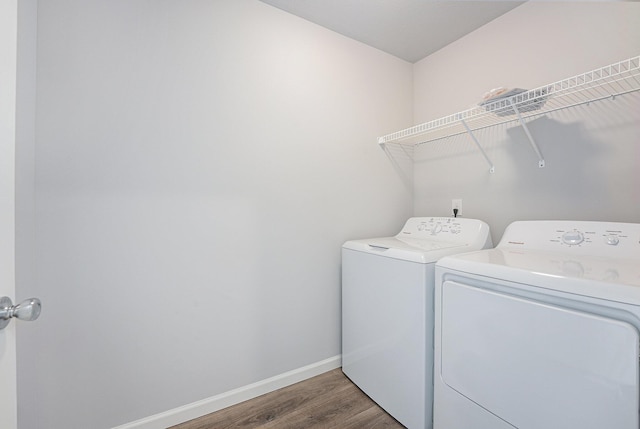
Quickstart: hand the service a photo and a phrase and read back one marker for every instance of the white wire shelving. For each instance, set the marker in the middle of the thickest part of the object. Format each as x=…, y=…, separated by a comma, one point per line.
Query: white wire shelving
x=604, y=83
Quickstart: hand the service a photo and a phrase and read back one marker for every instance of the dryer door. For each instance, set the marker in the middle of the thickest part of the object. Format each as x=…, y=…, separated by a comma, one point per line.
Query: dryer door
x=536, y=365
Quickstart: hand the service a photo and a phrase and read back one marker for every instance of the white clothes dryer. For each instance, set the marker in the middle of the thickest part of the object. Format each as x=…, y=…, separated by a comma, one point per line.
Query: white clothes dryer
x=541, y=332
x=387, y=311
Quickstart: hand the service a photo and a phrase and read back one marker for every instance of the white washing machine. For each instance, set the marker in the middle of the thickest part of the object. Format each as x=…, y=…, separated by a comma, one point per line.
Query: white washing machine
x=387, y=311
x=542, y=331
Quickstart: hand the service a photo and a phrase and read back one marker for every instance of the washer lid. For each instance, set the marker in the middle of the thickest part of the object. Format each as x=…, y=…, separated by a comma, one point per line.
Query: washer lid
x=407, y=249
x=614, y=279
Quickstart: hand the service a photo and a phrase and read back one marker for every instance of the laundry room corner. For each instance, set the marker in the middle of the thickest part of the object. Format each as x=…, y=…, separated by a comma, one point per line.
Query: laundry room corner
x=590, y=151
x=191, y=176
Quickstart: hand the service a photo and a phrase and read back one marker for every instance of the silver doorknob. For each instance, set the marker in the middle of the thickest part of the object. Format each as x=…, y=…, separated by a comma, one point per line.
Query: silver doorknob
x=27, y=310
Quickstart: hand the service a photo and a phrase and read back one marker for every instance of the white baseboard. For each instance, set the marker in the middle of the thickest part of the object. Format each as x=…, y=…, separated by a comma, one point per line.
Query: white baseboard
x=232, y=397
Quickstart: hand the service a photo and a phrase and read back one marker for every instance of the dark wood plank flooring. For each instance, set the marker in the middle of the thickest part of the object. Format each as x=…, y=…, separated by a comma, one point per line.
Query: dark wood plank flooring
x=327, y=401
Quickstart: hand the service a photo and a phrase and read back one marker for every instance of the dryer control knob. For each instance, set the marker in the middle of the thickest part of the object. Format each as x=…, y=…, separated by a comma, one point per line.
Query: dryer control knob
x=572, y=238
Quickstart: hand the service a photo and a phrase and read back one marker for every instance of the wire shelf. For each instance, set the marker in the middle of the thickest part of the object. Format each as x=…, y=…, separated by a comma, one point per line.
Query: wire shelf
x=607, y=82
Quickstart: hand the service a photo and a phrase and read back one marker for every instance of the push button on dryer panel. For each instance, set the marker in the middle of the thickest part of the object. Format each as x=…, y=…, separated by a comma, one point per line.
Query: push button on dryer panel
x=611, y=239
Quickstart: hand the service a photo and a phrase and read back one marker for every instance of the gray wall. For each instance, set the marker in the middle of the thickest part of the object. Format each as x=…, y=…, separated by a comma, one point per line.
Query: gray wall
x=198, y=165
x=591, y=152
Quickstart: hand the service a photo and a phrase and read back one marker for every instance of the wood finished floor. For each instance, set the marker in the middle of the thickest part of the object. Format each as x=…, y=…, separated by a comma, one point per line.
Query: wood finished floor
x=327, y=401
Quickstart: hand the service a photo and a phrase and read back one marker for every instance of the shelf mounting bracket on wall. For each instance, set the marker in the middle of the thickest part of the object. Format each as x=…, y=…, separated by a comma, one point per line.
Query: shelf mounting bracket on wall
x=529, y=136
x=492, y=169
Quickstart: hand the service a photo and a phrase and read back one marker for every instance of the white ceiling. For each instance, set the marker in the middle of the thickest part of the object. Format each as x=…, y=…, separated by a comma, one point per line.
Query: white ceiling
x=408, y=29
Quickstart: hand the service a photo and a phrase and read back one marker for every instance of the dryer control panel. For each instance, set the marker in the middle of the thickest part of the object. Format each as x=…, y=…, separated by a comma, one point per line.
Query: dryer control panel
x=582, y=237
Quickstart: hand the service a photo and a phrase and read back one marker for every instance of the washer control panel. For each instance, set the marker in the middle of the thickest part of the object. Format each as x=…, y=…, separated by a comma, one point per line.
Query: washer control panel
x=448, y=229
x=596, y=238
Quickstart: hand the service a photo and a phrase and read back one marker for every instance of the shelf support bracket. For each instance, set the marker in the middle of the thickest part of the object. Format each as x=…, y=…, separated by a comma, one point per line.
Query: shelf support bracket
x=529, y=136
x=492, y=169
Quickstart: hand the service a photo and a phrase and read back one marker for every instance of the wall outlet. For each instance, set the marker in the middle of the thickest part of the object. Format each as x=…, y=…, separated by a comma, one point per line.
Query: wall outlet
x=456, y=204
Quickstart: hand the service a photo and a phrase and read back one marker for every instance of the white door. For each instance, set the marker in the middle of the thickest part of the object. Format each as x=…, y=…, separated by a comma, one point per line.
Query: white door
x=8, y=51
x=538, y=365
